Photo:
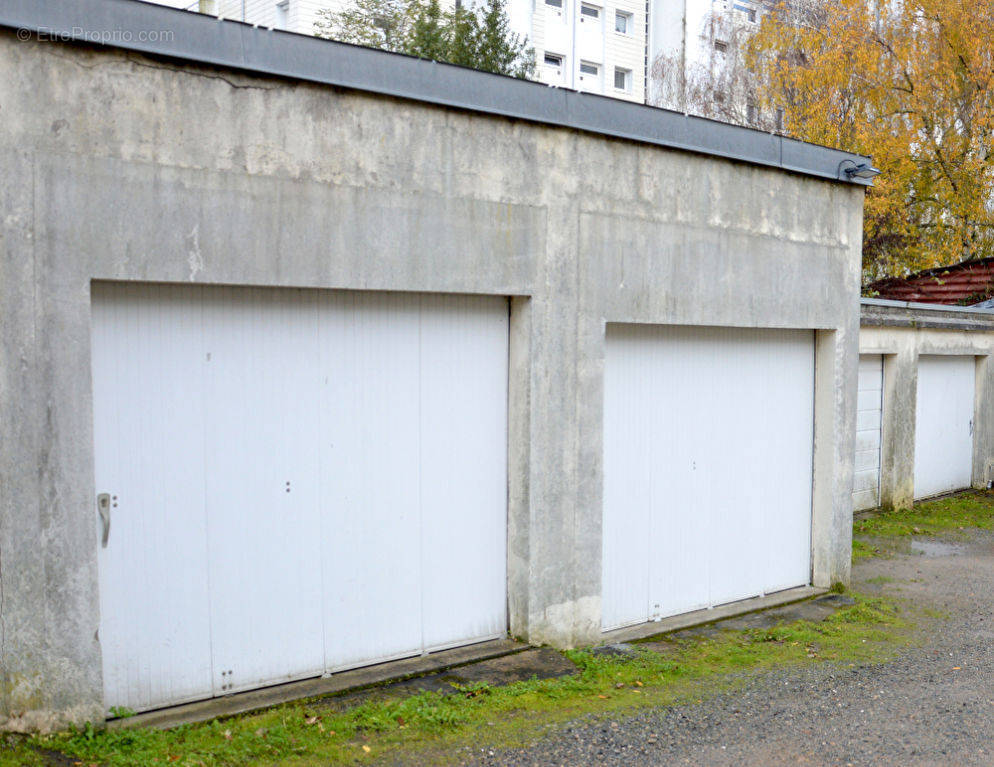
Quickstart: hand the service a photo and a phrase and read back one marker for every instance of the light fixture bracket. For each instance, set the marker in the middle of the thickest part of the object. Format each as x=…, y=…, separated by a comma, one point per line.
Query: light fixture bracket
x=850, y=169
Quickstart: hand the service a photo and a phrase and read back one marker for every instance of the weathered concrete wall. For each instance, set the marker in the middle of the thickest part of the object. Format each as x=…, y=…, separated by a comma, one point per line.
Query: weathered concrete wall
x=901, y=333
x=118, y=167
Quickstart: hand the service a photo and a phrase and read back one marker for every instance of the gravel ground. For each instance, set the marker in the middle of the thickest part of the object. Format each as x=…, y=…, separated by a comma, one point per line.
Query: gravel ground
x=933, y=705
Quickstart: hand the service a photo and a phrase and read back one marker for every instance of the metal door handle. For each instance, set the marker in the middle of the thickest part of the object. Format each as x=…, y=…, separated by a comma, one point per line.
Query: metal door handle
x=103, y=506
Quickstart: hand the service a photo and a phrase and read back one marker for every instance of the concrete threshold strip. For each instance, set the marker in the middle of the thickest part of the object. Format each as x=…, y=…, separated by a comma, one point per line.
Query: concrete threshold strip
x=400, y=671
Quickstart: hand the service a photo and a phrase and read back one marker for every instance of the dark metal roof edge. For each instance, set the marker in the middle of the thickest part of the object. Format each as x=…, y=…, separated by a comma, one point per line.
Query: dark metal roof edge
x=196, y=38
x=877, y=312
x=925, y=323
x=922, y=307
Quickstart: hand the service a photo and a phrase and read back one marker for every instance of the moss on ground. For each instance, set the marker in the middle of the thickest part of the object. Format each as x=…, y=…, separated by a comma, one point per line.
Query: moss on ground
x=880, y=532
x=16, y=751
x=434, y=728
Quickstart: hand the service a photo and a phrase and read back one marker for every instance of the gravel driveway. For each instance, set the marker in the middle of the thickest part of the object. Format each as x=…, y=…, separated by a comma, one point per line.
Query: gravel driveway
x=933, y=705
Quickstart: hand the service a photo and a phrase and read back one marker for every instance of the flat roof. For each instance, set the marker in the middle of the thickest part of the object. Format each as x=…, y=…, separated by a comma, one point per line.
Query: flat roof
x=921, y=306
x=196, y=38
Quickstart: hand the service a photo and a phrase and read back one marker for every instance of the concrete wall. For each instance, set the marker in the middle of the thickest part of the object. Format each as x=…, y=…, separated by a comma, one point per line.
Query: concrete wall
x=119, y=167
x=902, y=332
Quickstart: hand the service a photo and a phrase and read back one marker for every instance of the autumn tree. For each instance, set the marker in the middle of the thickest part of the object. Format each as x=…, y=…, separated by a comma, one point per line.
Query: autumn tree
x=908, y=82
x=477, y=37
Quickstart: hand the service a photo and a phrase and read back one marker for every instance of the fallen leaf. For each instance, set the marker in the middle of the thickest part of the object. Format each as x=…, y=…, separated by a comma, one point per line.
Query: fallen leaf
x=261, y=732
x=366, y=749
x=638, y=683
x=311, y=720
x=227, y=734
x=602, y=697
x=957, y=668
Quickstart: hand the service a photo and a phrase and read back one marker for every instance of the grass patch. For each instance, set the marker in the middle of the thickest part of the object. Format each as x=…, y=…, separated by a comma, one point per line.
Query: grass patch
x=879, y=580
x=862, y=550
x=16, y=751
x=432, y=727
x=973, y=509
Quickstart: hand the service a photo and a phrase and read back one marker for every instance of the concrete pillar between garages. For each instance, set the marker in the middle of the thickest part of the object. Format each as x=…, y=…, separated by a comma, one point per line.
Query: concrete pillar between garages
x=897, y=428
x=983, y=424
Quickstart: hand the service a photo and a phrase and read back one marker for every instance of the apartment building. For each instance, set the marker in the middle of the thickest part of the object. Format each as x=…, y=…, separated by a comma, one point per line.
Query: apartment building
x=695, y=59
x=292, y=15
x=693, y=30
x=590, y=46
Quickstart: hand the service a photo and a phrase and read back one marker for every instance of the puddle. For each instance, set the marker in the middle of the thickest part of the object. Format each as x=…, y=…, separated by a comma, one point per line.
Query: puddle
x=930, y=548
x=924, y=547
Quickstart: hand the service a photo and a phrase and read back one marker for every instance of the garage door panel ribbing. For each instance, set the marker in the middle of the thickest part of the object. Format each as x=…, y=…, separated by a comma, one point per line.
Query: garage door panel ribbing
x=458, y=335
x=869, y=405
x=373, y=558
x=708, y=447
x=944, y=424
x=152, y=595
x=326, y=462
x=261, y=490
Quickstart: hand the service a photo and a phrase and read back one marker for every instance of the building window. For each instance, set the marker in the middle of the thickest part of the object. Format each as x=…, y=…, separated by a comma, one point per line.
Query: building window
x=751, y=15
x=623, y=23
x=721, y=46
x=282, y=14
x=553, y=60
x=586, y=68
x=555, y=3
x=623, y=79
x=589, y=12
x=752, y=113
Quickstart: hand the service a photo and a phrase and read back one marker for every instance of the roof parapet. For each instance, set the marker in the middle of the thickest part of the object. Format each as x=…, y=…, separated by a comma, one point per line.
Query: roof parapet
x=196, y=38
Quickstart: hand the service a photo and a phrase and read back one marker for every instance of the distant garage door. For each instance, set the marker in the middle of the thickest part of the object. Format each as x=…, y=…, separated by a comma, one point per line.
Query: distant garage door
x=944, y=424
x=297, y=482
x=866, y=478
x=708, y=439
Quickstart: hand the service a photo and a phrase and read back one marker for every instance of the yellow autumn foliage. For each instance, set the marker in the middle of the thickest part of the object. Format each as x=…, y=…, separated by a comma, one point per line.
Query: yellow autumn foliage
x=909, y=83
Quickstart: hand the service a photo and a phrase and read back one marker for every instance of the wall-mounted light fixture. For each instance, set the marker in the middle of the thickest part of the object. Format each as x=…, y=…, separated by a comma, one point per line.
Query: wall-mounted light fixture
x=852, y=169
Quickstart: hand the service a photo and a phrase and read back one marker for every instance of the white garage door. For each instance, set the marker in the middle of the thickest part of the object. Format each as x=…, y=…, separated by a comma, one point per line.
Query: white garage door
x=708, y=438
x=866, y=479
x=944, y=424
x=299, y=482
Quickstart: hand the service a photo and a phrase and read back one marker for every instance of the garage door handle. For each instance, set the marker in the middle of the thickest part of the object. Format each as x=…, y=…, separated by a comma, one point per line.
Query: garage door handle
x=103, y=506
